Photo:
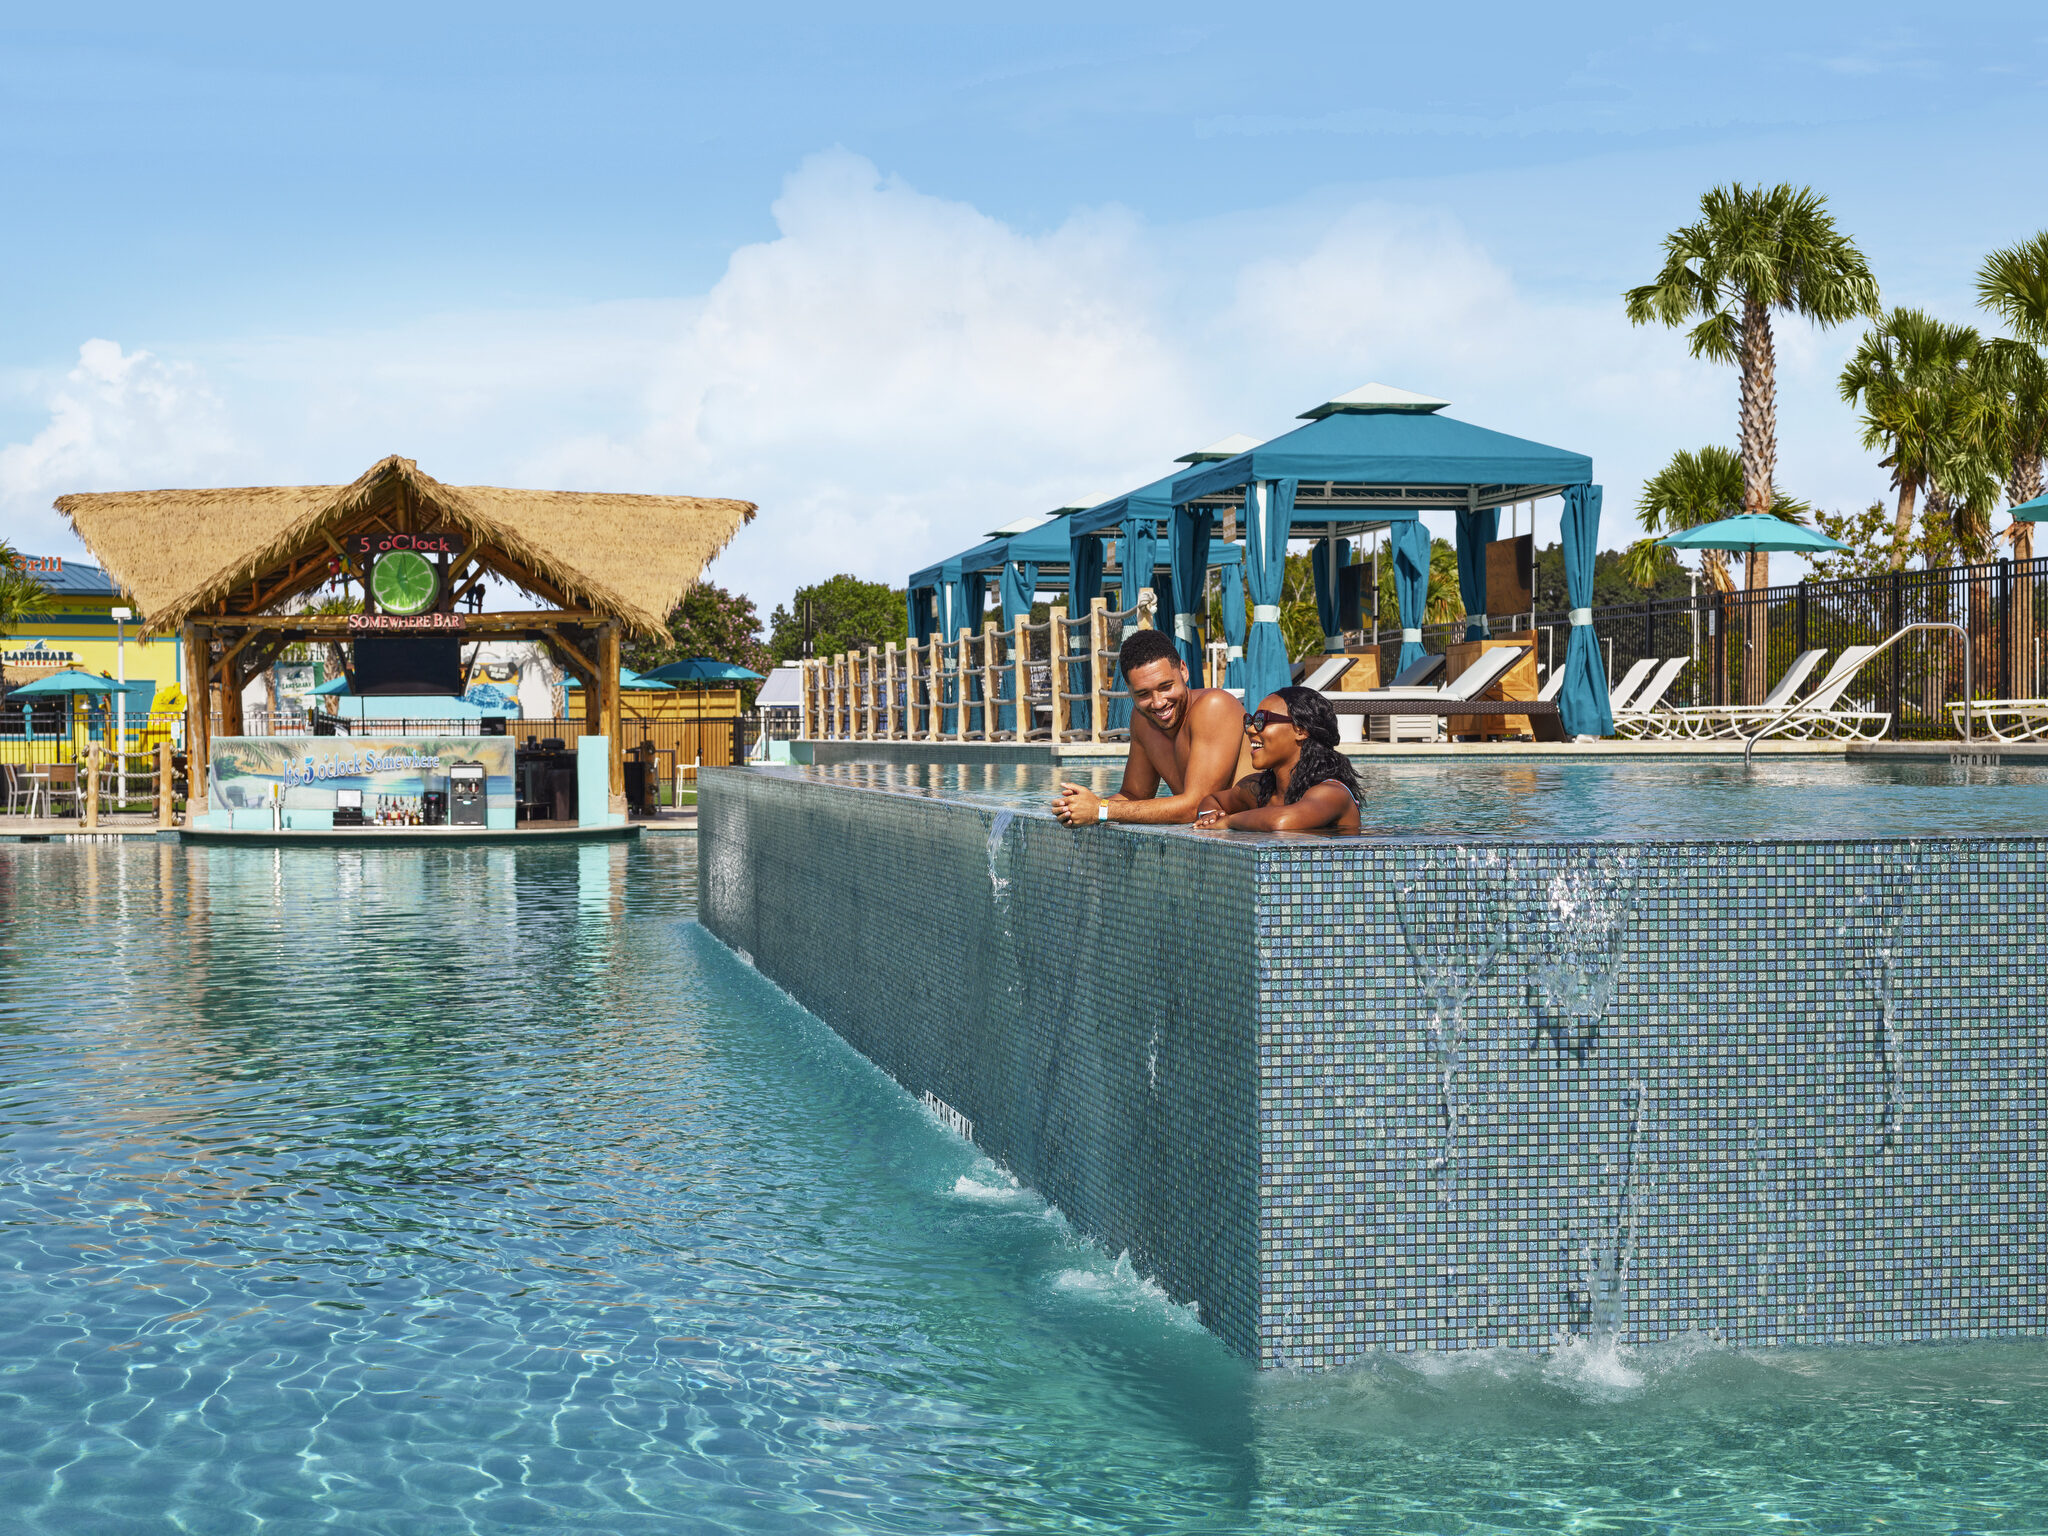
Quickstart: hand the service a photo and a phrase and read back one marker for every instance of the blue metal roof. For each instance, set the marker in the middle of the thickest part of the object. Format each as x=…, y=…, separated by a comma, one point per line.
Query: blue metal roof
x=70, y=578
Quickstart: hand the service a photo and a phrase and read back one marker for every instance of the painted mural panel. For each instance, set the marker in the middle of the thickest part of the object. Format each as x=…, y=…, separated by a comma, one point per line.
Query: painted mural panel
x=311, y=769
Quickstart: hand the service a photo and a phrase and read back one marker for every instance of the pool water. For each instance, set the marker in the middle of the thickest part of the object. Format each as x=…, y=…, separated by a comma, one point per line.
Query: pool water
x=432, y=1190
x=1575, y=800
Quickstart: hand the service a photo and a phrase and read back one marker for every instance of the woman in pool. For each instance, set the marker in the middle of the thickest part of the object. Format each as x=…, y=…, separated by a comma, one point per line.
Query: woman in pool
x=1294, y=744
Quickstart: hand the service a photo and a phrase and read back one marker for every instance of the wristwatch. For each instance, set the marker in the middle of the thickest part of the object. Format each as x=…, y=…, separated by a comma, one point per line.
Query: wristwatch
x=1102, y=810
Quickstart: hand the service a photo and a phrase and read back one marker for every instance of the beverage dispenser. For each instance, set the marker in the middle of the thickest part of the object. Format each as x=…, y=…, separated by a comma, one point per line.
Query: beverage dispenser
x=466, y=797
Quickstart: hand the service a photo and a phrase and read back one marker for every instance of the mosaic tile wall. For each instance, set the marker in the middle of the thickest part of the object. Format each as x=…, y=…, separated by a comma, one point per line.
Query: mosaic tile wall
x=1045, y=985
x=1362, y=1096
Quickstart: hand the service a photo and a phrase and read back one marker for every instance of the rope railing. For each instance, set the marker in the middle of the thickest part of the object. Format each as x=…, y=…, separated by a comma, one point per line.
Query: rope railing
x=1053, y=681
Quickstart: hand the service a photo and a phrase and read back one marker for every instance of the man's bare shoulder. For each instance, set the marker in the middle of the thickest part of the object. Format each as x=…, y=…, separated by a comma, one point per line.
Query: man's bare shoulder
x=1214, y=707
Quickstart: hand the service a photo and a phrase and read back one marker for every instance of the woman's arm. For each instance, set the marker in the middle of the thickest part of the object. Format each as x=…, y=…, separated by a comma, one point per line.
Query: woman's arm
x=1224, y=802
x=1323, y=806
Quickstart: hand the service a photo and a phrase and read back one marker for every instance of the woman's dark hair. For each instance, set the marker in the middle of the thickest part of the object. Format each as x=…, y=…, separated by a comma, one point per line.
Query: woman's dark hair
x=1319, y=758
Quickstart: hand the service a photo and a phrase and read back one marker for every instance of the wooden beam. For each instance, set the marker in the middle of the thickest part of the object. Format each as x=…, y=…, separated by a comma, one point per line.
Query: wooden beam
x=614, y=725
x=228, y=656
x=198, y=715
x=472, y=623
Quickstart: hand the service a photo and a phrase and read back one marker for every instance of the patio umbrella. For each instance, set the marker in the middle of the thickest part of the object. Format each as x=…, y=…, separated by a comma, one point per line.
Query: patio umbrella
x=629, y=681
x=1750, y=532
x=701, y=669
x=70, y=680
x=2035, y=511
x=334, y=687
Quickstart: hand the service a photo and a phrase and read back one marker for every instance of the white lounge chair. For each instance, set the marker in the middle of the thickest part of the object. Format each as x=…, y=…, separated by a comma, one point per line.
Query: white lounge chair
x=1819, y=714
x=2004, y=719
x=1621, y=693
x=1321, y=675
x=1488, y=668
x=1703, y=722
x=1640, y=716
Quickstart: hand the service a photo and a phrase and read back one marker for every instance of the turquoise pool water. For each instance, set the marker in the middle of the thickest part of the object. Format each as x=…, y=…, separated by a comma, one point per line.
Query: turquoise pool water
x=478, y=1190
x=1625, y=799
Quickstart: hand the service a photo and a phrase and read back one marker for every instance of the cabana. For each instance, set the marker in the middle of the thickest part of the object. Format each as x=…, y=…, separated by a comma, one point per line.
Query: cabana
x=224, y=568
x=1376, y=459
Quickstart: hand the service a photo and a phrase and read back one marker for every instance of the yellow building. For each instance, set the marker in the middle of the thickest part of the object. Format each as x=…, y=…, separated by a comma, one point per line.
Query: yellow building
x=78, y=629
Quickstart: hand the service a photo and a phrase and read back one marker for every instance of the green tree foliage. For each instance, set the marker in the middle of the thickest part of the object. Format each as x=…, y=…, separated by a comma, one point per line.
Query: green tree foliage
x=1755, y=251
x=1696, y=487
x=1872, y=540
x=846, y=614
x=21, y=595
x=709, y=621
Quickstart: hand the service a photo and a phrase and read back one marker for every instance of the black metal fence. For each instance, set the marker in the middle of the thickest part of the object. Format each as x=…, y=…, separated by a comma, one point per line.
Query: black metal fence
x=1738, y=643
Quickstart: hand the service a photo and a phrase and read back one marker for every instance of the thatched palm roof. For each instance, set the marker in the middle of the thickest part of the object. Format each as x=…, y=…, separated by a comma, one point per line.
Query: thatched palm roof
x=180, y=552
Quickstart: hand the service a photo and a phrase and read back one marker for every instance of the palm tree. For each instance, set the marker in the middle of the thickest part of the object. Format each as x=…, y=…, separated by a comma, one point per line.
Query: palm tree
x=1695, y=488
x=20, y=593
x=1910, y=375
x=2013, y=284
x=1753, y=251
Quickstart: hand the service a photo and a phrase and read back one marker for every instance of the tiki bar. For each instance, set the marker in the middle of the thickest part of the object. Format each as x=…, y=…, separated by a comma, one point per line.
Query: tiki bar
x=390, y=573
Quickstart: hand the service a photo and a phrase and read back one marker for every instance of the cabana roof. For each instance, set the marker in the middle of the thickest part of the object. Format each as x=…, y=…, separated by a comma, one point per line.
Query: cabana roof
x=1368, y=463
x=181, y=553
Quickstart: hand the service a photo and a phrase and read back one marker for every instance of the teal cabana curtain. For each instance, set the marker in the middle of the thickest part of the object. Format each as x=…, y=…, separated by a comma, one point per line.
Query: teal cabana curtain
x=1137, y=553
x=1269, y=519
x=1582, y=701
x=1476, y=530
x=1187, y=548
x=1234, y=623
x=1019, y=586
x=924, y=613
x=1084, y=585
x=1326, y=590
x=1411, y=587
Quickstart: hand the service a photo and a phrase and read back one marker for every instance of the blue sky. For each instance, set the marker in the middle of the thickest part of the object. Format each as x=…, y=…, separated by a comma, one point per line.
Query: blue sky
x=900, y=276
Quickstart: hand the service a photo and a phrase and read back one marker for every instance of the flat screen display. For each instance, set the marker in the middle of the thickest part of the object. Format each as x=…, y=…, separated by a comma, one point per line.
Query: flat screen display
x=407, y=664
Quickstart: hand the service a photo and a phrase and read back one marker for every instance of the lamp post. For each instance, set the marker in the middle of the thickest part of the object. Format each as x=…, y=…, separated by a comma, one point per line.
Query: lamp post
x=121, y=618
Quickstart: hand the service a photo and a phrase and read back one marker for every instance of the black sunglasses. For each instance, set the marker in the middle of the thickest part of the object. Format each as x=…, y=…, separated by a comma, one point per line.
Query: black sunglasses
x=1259, y=719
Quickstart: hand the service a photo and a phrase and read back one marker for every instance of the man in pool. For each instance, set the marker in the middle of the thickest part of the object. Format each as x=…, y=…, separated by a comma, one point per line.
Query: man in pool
x=1191, y=739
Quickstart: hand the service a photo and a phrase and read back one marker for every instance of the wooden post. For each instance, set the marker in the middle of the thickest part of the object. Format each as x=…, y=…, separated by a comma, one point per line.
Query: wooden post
x=960, y=676
x=1058, y=653
x=842, y=697
x=889, y=691
x=874, y=696
x=1020, y=662
x=614, y=722
x=231, y=723
x=1098, y=684
x=165, y=816
x=198, y=716
x=991, y=686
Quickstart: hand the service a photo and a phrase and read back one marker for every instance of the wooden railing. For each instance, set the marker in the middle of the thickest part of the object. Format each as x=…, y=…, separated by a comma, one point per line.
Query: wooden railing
x=1051, y=682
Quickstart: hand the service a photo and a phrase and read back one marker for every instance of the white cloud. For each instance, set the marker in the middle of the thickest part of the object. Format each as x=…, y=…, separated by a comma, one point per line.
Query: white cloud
x=118, y=420
x=895, y=372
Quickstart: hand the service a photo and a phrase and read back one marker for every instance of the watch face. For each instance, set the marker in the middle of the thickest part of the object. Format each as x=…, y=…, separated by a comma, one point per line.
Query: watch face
x=404, y=583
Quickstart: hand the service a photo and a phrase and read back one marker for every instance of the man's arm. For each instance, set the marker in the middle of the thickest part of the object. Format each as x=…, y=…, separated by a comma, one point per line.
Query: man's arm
x=1076, y=804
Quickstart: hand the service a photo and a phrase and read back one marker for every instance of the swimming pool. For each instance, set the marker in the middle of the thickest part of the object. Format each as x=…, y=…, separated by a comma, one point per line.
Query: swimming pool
x=479, y=1190
x=1620, y=799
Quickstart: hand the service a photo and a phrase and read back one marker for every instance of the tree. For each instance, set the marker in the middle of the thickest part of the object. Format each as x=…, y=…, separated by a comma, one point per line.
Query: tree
x=2013, y=284
x=1755, y=250
x=845, y=614
x=1910, y=377
x=709, y=621
x=1695, y=488
x=21, y=595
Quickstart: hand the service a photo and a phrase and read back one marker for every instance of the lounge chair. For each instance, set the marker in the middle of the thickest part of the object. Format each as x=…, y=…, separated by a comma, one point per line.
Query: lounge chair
x=1320, y=674
x=1819, y=715
x=1703, y=722
x=1487, y=669
x=1621, y=693
x=1640, y=716
x=1553, y=685
x=2004, y=719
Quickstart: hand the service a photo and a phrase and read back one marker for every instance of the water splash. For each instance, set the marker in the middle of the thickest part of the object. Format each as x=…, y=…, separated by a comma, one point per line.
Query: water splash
x=998, y=829
x=1878, y=906
x=1590, y=907
x=1607, y=1256
x=1454, y=923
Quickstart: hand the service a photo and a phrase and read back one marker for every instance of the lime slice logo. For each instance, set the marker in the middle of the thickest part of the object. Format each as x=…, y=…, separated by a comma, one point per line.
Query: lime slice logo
x=404, y=583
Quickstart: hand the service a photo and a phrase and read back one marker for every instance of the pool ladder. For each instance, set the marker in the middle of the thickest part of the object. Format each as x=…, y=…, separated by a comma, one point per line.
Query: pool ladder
x=1791, y=711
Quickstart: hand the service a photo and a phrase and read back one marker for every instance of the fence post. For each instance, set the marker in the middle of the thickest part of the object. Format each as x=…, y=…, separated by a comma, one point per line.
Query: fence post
x=1098, y=686
x=1020, y=660
x=991, y=686
x=1056, y=656
x=2004, y=642
x=873, y=702
x=92, y=787
x=960, y=676
x=889, y=706
x=1802, y=645
x=1898, y=591
x=165, y=816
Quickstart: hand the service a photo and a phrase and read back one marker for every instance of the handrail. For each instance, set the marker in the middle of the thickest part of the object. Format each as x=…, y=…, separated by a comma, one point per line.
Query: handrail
x=1969, y=682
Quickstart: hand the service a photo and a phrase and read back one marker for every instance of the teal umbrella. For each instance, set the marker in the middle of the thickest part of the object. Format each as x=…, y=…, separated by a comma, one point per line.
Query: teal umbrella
x=701, y=669
x=1750, y=532
x=2035, y=511
x=630, y=681
x=70, y=680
